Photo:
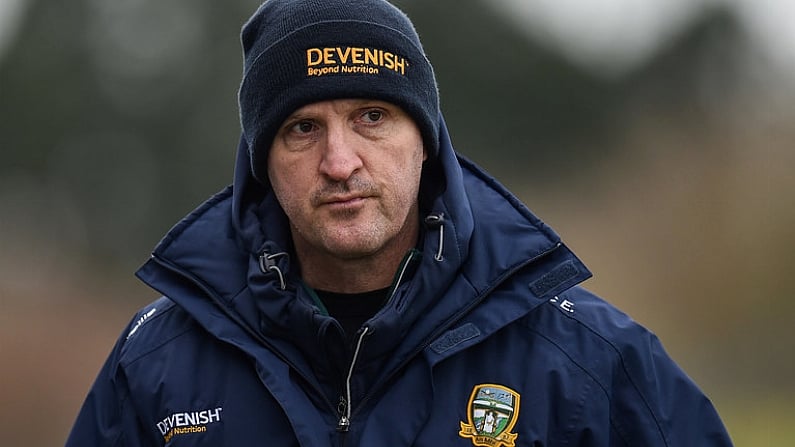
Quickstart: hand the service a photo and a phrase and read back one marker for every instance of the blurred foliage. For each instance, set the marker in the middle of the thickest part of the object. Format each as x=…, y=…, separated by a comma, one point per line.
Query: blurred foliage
x=672, y=180
x=118, y=119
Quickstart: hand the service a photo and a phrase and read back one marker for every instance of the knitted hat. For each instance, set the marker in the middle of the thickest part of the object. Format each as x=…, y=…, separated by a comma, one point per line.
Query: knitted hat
x=299, y=52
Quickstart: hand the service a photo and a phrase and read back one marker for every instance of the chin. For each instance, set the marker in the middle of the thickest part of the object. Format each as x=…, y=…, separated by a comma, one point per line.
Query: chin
x=352, y=251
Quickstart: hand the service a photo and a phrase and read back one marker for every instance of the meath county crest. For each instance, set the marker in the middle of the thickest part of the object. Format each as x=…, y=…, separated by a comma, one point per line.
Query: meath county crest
x=491, y=414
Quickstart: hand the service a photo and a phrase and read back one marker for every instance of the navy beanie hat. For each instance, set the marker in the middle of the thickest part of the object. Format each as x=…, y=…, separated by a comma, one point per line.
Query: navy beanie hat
x=302, y=51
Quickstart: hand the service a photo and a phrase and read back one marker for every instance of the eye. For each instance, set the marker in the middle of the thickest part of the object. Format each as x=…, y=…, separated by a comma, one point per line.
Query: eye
x=302, y=127
x=373, y=116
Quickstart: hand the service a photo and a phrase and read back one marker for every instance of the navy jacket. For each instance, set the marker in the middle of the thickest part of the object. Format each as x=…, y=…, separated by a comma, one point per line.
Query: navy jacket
x=487, y=340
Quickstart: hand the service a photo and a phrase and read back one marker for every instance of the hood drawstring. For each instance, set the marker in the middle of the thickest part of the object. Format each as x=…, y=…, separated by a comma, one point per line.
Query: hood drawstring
x=268, y=264
x=436, y=220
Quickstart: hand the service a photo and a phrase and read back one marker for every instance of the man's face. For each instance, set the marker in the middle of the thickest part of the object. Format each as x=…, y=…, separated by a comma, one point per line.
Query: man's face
x=347, y=173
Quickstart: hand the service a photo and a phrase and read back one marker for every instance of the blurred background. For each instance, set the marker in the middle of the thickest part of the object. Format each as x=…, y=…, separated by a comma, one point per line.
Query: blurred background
x=657, y=137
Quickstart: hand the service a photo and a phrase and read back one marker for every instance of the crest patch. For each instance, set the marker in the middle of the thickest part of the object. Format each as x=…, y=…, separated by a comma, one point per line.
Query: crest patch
x=491, y=414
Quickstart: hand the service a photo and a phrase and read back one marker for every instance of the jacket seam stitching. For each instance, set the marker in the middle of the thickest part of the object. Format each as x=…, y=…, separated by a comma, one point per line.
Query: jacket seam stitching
x=629, y=377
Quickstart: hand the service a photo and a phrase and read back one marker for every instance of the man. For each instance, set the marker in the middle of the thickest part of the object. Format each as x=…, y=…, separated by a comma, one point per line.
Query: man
x=360, y=284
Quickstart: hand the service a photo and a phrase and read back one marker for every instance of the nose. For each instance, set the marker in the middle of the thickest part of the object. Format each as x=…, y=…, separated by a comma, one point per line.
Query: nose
x=340, y=156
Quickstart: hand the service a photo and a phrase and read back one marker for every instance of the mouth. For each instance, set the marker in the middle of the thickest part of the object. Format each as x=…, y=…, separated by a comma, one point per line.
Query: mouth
x=344, y=201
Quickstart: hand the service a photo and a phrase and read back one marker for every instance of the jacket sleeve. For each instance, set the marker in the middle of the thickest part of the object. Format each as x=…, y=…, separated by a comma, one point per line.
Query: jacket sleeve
x=107, y=417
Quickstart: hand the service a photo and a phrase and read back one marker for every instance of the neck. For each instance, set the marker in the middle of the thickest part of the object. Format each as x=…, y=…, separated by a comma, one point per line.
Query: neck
x=347, y=277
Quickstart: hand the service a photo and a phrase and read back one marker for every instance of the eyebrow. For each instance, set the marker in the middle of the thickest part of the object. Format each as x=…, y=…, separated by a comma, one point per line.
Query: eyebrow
x=357, y=102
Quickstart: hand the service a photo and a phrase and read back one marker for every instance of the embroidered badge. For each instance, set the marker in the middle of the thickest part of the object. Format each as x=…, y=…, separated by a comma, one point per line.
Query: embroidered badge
x=492, y=412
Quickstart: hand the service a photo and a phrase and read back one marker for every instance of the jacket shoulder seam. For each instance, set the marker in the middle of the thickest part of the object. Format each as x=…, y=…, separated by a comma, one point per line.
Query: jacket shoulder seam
x=585, y=370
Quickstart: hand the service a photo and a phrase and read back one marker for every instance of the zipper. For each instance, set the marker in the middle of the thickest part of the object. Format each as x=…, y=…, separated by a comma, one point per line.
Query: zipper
x=344, y=406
